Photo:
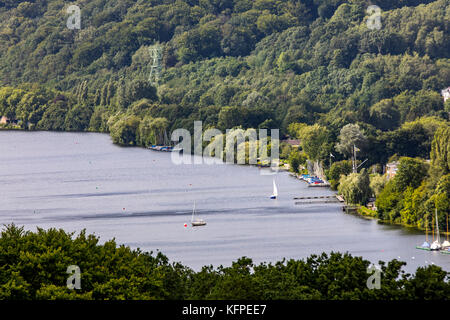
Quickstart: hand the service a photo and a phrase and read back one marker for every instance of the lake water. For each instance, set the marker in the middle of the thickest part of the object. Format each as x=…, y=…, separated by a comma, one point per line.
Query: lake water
x=139, y=197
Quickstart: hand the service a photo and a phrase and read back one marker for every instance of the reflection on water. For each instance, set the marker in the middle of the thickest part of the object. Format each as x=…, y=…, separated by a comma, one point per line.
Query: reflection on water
x=137, y=196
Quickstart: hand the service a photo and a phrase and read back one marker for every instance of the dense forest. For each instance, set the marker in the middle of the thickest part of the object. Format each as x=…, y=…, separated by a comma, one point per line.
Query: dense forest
x=34, y=267
x=312, y=68
x=229, y=63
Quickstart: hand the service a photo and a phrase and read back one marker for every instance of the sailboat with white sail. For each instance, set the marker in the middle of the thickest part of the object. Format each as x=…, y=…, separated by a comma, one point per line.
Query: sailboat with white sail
x=436, y=245
x=275, y=191
x=446, y=243
x=196, y=222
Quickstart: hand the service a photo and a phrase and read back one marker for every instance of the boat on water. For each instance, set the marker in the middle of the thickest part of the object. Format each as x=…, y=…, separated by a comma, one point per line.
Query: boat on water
x=314, y=181
x=275, y=191
x=436, y=245
x=196, y=222
x=426, y=245
x=165, y=147
x=446, y=244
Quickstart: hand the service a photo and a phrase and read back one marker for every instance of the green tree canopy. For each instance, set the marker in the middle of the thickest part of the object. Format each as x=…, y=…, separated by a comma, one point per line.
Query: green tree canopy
x=440, y=151
x=350, y=135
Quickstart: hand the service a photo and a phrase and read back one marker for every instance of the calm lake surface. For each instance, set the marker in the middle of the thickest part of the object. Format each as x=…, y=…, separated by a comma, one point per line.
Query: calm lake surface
x=139, y=197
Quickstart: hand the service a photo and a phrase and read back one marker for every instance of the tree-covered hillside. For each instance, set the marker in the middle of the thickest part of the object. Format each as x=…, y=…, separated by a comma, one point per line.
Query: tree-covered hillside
x=257, y=63
x=37, y=46
x=230, y=63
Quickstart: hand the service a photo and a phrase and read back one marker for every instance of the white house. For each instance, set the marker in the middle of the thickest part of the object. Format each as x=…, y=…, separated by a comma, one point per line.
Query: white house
x=4, y=120
x=391, y=169
x=446, y=93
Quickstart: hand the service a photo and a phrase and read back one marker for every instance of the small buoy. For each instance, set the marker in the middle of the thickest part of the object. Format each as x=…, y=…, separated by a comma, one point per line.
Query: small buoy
x=398, y=257
x=123, y=209
x=185, y=225
x=412, y=258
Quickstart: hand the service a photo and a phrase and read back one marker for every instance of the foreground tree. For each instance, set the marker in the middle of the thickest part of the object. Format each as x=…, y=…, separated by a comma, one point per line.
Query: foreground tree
x=33, y=266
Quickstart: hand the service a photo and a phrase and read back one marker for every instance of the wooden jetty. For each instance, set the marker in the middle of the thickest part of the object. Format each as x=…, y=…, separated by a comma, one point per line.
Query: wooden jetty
x=350, y=209
x=319, y=199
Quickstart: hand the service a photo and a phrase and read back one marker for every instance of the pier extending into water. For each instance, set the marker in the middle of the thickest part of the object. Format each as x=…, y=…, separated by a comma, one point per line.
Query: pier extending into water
x=319, y=199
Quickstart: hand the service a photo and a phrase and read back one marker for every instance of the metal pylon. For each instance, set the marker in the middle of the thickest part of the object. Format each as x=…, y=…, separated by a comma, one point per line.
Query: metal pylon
x=155, y=52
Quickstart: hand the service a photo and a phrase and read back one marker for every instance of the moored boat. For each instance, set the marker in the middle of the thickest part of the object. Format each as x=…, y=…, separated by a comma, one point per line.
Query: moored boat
x=436, y=245
x=426, y=245
x=197, y=222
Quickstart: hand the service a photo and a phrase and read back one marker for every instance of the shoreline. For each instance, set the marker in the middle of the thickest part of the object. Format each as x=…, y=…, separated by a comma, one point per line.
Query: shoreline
x=359, y=212
x=364, y=212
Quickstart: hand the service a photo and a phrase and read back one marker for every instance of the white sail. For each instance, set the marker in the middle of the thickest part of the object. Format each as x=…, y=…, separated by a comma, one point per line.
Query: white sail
x=275, y=189
x=436, y=245
x=193, y=212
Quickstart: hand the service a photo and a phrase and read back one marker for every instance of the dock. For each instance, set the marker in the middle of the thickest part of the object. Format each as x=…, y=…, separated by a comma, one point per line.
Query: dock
x=318, y=185
x=319, y=199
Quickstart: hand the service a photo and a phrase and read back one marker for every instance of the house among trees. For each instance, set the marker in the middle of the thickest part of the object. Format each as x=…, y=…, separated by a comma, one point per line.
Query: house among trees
x=391, y=169
x=292, y=142
x=4, y=120
x=446, y=93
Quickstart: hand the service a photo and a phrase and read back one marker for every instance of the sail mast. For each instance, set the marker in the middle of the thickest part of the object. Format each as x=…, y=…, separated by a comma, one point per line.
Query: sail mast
x=437, y=228
x=193, y=212
x=432, y=226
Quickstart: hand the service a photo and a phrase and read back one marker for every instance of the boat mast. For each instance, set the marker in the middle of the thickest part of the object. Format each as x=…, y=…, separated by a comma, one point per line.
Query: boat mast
x=193, y=212
x=426, y=227
x=437, y=228
x=432, y=226
x=166, y=139
x=354, y=160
